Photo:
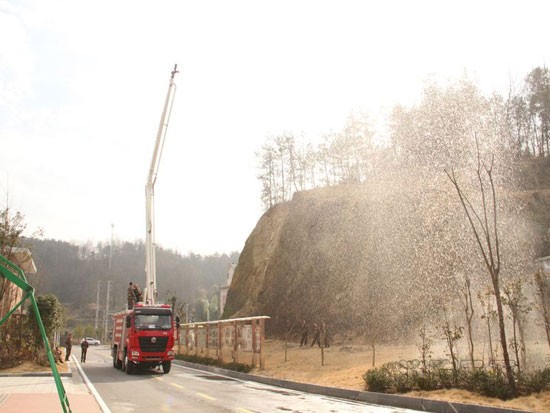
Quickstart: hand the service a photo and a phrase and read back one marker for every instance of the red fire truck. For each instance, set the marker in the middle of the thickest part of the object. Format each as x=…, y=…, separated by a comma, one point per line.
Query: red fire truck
x=143, y=336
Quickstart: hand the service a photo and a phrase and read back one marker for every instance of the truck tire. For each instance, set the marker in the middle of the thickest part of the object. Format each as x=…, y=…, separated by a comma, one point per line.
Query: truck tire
x=166, y=366
x=130, y=367
x=117, y=363
x=127, y=364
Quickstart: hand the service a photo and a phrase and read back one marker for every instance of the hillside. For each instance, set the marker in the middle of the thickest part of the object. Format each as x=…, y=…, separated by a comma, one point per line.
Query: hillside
x=73, y=272
x=379, y=256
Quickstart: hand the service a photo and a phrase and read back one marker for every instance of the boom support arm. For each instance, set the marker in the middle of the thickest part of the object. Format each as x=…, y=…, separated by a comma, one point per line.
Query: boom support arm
x=150, y=290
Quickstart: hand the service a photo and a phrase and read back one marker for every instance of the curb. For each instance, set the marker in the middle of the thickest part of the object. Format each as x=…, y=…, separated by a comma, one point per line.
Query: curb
x=91, y=388
x=404, y=402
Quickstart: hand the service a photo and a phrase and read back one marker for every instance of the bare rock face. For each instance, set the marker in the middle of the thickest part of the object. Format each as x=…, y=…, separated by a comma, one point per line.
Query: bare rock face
x=379, y=259
x=299, y=259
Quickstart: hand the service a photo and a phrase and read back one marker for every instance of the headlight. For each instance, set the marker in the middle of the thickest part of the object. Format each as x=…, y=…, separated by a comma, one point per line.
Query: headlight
x=135, y=353
x=171, y=353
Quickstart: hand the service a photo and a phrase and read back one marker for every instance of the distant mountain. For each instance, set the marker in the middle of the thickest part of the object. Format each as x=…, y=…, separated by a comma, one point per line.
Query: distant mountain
x=72, y=272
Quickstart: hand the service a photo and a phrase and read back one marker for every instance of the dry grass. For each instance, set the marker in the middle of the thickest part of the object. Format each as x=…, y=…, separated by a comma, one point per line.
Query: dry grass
x=30, y=367
x=344, y=367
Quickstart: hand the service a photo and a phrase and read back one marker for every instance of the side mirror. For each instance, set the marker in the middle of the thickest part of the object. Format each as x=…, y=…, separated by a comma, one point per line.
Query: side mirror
x=177, y=322
x=128, y=321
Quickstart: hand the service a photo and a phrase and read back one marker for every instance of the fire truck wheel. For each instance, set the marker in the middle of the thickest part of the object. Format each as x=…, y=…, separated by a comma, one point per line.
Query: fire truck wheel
x=124, y=361
x=117, y=364
x=127, y=365
x=166, y=365
x=130, y=367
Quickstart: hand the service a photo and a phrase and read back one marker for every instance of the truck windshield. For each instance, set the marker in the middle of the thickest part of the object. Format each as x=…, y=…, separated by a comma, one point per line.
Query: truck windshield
x=153, y=322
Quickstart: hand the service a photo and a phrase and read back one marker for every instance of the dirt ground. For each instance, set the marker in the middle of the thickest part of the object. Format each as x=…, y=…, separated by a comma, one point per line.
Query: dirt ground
x=30, y=367
x=344, y=366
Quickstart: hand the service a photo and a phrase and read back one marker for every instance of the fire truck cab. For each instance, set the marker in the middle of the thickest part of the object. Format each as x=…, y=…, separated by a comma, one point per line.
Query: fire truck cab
x=143, y=337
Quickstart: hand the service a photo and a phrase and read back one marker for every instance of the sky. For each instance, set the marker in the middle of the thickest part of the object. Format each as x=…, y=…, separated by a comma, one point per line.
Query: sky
x=83, y=84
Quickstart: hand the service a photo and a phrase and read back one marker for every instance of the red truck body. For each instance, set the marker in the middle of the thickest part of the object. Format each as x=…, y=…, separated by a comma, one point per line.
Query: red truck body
x=143, y=337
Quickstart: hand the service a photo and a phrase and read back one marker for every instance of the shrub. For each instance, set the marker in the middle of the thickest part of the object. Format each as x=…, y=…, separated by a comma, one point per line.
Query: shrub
x=427, y=382
x=378, y=380
x=209, y=361
x=490, y=383
x=535, y=382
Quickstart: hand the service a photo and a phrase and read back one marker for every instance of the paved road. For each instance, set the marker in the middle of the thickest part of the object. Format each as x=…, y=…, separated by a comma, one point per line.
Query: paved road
x=190, y=390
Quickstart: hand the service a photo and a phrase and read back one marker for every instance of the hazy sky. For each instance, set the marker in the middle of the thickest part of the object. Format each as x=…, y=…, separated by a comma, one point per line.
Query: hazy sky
x=82, y=85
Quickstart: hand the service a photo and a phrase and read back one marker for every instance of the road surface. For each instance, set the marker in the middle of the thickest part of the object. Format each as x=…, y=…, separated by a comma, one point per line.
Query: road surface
x=190, y=390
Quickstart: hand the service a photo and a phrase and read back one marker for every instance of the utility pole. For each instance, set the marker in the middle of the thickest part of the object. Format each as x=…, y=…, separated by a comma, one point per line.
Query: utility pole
x=111, y=248
x=106, y=316
x=97, y=306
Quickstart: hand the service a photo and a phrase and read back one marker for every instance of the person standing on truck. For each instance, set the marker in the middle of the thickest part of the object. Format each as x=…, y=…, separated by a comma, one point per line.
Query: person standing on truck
x=131, y=296
x=84, y=349
x=68, y=346
x=137, y=293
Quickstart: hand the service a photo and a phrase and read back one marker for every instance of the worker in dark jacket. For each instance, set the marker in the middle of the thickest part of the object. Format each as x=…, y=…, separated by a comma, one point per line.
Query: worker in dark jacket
x=137, y=293
x=68, y=346
x=316, y=335
x=324, y=335
x=131, y=296
x=303, y=330
x=84, y=349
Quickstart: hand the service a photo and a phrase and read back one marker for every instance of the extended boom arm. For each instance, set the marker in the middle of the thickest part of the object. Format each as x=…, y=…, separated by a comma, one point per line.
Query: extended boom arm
x=150, y=268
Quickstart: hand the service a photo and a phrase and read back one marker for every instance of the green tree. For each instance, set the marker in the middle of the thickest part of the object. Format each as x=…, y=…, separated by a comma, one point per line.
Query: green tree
x=12, y=226
x=53, y=316
x=538, y=97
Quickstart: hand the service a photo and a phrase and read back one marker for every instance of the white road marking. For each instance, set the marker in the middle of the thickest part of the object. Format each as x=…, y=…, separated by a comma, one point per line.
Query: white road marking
x=99, y=400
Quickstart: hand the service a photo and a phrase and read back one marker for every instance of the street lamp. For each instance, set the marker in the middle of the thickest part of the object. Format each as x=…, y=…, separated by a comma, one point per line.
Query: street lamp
x=205, y=300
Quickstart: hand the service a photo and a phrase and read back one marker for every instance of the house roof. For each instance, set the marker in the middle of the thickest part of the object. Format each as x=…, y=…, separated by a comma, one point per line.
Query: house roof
x=22, y=257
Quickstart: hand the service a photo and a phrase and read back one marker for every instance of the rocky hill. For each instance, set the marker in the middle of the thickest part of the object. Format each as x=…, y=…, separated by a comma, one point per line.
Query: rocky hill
x=384, y=255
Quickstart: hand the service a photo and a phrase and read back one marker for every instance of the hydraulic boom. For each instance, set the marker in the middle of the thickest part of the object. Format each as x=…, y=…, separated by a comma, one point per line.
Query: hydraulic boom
x=150, y=290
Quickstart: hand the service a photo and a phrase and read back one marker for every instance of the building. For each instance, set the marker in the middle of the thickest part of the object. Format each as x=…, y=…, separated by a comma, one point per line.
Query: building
x=11, y=294
x=225, y=288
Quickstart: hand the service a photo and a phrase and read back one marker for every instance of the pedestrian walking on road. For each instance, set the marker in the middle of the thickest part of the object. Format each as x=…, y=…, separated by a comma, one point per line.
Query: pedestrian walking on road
x=68, y=346
x=84, y=349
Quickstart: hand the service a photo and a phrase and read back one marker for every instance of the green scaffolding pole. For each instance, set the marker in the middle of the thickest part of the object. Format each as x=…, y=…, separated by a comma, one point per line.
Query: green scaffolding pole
x=13, y=273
